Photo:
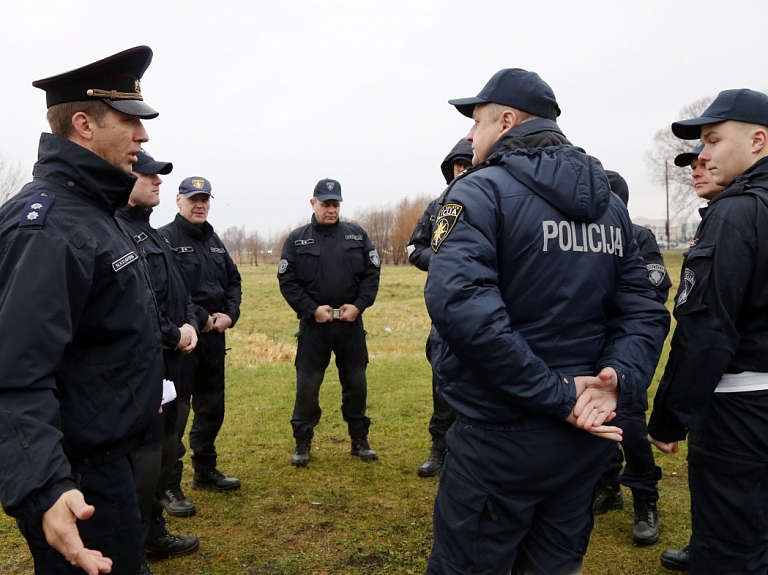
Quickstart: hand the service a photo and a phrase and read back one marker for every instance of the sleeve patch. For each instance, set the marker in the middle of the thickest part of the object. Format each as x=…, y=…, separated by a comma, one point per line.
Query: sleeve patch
x=656, y=273
x=374, y=255
x=689, y=280
x=36, y=210
x=445, y=220
x=282, y=266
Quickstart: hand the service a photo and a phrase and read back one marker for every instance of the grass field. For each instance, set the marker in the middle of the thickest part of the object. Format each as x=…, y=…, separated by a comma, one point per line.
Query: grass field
x=340, y=515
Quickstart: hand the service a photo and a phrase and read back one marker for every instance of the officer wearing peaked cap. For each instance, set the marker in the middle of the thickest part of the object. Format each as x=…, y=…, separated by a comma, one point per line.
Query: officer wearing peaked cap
x=81, y=383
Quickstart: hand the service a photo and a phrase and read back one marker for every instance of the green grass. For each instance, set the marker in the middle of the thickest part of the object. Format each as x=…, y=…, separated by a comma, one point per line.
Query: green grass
x=340, y=515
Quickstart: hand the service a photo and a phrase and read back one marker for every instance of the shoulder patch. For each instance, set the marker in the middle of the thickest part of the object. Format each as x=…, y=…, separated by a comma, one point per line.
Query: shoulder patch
x=124, y=261
x=374, y=255
x=218, y=250
x=282, y=266
x=36, y=210
x=656, y=273
x=689, y=280
x=445, y=219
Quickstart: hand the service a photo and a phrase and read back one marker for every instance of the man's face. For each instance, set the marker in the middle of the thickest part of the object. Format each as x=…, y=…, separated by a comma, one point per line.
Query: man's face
x=459, y=166
x=194, y=208
x=727, y=150
x=326, y=213
x=146, y=191
x=484, y=133
x=702, y=181
x=118, y=138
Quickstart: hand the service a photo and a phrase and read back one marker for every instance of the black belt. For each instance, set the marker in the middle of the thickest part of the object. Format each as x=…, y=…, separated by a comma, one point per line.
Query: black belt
x=99, y=457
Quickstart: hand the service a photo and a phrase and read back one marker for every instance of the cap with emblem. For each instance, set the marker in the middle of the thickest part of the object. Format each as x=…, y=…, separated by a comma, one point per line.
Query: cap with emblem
x=327, y=190
x=741, y=105
x=195, y=185
x=516, y=88
x=685, y=158
x=113, y=80
x=146, y=164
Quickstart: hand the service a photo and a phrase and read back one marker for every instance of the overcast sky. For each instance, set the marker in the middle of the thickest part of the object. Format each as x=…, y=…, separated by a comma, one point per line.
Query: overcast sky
x=266, y=98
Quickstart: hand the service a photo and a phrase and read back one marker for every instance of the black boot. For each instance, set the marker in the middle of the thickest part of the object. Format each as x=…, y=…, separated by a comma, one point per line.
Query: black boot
x=676, y=559
x=214, y=479
x=301, y=454
x=434, y=463
x=176, y=503
x=646, y=530
x=607, y=498
x=168, y=545
x=361, y=449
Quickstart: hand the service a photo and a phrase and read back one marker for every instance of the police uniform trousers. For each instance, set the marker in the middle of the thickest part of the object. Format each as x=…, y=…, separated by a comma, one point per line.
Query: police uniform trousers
x=155, y=459
x=316, y=341
x=202, y=378
x=728, y=479
x=641, y=473
x=114, y=529
x=516, y=501
x=443, y=415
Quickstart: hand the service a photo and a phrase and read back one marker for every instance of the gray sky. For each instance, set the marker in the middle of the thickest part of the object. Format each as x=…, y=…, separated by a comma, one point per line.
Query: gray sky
x=266, y=98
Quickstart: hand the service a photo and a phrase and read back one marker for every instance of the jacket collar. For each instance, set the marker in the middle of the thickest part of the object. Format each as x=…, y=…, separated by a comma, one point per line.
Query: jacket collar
x=82, y=173
x=202, y=233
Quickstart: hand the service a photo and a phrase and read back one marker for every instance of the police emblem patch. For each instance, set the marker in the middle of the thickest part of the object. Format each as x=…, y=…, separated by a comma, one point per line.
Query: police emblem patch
x=656, y=273
x=198, y=183
x=689, y=280
x=282, y=266
x=374, y=255
x=444, y=221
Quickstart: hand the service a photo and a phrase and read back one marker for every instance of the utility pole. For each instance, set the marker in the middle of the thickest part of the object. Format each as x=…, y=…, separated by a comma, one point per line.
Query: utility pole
x=666, y=185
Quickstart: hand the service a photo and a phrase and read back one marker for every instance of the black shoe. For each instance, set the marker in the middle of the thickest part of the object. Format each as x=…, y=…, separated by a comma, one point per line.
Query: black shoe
x=676, y=559
x=646, y=530
x=434, y=463
x=607, y=499
x=145, y=570
x=177, y=504
x=168, y=545
x=361, y=449
x=214, y=479
x=301, y=454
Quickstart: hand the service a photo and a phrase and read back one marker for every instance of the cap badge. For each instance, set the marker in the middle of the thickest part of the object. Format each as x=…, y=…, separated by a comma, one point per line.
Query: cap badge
x=329, y=185
x=198, y=183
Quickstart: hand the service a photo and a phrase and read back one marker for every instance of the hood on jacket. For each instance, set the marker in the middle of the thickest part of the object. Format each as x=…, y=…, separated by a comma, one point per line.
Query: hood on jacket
x=618, y=185
x=566, y=177
x=461, y=151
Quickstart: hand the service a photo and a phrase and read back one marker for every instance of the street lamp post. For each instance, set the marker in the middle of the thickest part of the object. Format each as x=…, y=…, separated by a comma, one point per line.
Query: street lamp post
x=666, y=185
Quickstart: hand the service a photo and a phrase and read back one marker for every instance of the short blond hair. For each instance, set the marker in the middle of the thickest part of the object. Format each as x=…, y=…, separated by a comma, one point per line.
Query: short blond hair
x=496, y=110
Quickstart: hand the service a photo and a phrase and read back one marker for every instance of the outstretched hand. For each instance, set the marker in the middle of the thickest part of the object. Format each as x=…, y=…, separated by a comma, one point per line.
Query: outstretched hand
x=62, y=534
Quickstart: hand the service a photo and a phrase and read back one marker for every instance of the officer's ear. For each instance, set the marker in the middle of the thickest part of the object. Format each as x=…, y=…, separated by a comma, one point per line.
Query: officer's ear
x=178, y=201
x=760, y=140
x=509, y=120
x=82, y=125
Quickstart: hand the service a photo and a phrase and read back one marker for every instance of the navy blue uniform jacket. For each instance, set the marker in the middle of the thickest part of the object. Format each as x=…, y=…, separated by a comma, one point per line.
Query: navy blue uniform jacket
x=536, y=277
x=81, y=371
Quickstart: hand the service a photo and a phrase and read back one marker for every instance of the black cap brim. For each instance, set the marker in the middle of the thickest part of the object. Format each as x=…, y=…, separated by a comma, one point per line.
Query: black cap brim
x=691, y=129
x=466, y=106
x=684, y=160
x=133, y=108
x=329, y=198
x=155, y=167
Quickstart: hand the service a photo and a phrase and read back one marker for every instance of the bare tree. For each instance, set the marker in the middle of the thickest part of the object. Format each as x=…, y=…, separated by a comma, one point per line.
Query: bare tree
x=253, y=244
x=378, y=222
x=11, y=178
x=407, y=213
x=234, y=238
x=660, y=163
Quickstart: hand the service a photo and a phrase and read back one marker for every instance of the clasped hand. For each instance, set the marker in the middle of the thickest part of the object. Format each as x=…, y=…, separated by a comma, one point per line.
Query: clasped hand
x=596, y=401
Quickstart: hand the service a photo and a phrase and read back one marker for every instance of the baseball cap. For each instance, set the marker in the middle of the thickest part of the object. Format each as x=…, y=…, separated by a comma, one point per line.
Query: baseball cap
x=113, y=80
x=684, y=159
x=328, y=189
x=618, y=185
x=742, y=105
x=517, y=88
x=195, y=185
x=146, y=164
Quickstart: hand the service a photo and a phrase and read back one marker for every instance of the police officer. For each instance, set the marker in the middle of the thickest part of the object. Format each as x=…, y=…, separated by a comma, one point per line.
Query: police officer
x=715, y=385
x=419, y=250
x=81, y=382
x=329, y=274
x=641, y=473
x=214, y=283
x=155, y=459
x=532, y=274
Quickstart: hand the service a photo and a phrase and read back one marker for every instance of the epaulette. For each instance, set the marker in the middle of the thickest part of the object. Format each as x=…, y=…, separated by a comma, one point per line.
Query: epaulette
x=33, y=215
